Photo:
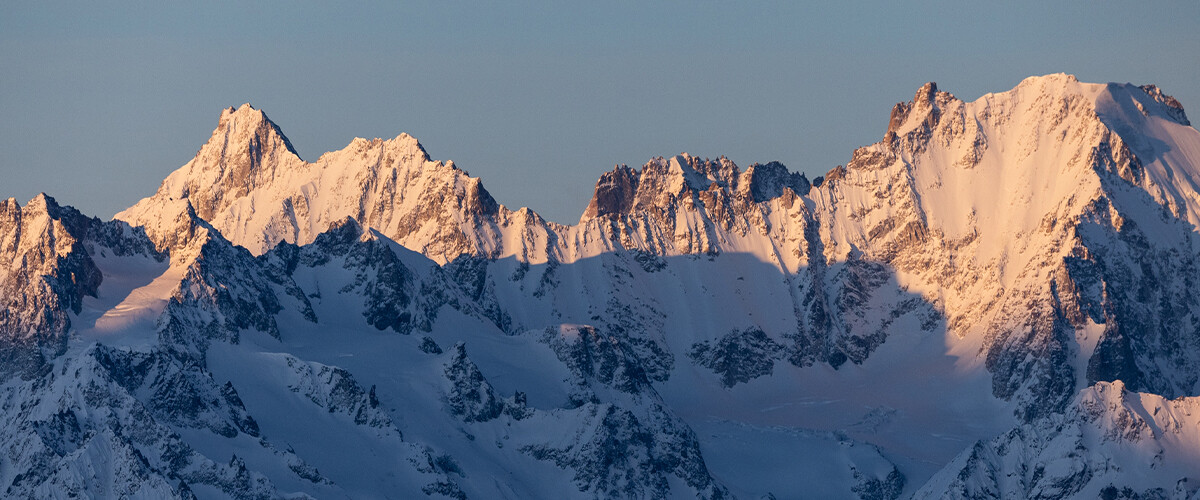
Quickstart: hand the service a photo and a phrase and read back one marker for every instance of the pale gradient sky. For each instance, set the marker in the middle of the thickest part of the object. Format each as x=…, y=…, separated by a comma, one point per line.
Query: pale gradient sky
x=99, y=103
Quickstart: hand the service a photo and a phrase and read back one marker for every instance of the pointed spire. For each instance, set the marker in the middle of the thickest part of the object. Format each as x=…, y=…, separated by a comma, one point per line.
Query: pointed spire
x=614, y=193
x=926, y=94
x=246, y=121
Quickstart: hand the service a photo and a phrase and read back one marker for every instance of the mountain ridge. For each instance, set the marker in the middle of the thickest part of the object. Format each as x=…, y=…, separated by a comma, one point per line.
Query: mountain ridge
x=913, y=195
x=994, y=281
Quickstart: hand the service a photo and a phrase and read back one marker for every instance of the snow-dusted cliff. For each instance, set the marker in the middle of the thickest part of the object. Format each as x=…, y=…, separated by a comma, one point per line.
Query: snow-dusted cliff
x=995, y=299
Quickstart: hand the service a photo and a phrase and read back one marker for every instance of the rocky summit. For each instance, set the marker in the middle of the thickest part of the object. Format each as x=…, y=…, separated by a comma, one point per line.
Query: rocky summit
x=996, y=300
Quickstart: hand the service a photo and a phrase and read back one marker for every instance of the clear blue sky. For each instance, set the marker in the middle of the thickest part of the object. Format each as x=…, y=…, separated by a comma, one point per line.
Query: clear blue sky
x=98, y=103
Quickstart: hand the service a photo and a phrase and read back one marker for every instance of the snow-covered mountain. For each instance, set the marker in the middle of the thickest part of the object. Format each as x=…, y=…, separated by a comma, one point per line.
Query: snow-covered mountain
x=993, y=301
x=248, y=182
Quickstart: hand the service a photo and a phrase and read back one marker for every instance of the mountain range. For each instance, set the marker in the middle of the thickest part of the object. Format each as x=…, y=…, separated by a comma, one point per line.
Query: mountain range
x=996, y=300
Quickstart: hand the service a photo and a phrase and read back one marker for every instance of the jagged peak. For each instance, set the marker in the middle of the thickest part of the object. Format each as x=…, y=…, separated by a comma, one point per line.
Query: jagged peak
x=177, y=227
x=404, y=144
x=1153, y=91
x=406, y=140
x=40, y=207
x=230, y=199
x=45, y=205
x=42, y=201
x=245, y=124
x=696, y=172
x=833, y=174
x=624, y=189
x=927, y=94
x=614, y=193
x=923, y=110
x=246, y=149
x=766, y=181
x=928, y=104
x=1074, y=127
x=343, y=231
x=243, y=111
x=346, y=224
x=9, y=210
x=400, y=140
x=529, y=216
x=1171, y=106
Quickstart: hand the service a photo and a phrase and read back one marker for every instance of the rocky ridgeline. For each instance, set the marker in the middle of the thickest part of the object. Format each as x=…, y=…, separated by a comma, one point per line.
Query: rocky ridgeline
x=46, y=269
